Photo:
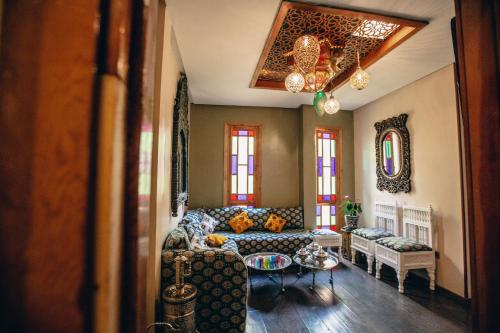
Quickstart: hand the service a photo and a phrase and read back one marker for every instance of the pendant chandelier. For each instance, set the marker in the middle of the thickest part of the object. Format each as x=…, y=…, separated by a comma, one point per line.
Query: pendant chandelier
x=314, y=63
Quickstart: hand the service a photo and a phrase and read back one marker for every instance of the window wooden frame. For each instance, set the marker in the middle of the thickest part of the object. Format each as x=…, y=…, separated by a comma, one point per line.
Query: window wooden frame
x=339, y=220
x=257, y=128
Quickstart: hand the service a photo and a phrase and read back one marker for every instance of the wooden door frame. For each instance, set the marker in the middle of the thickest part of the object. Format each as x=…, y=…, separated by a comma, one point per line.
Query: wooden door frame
x=257, y=186
x=478, y=52
x=339, y=150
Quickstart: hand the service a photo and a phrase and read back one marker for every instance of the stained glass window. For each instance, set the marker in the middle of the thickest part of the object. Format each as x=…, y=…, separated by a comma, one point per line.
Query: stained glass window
x=242, y=165
x=326, y=179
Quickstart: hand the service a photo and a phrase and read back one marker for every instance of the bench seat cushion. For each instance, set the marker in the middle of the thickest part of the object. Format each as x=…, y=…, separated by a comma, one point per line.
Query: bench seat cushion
x=372, y=233
x=286, y=242
x=402, y=244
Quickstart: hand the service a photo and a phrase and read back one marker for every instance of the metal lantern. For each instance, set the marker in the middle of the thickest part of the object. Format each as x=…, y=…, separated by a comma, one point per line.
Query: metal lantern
x=180, y=299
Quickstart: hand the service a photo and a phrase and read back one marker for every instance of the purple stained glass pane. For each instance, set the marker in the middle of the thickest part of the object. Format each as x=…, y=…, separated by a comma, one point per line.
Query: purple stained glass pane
x=242, y=197
x=326, y=198
x=243, y=133
x=332, y=210
x=318, y=210
x=326, y=135
x=250, y=164
x=320, y=166
x=334, y=167
x=234, y=164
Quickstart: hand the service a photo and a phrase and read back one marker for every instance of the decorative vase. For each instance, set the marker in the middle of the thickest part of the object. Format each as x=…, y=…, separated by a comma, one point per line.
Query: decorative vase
x=351, y=222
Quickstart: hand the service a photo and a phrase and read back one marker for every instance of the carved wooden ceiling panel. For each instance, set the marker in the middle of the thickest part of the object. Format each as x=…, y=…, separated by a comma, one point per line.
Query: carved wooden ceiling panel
x=371, y=34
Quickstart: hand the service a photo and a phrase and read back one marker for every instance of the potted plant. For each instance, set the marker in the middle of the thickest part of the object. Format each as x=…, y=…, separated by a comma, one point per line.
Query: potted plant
x=352, y=210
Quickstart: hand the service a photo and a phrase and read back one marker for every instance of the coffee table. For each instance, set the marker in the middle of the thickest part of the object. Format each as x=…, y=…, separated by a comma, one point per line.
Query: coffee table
x=313, y=265
x=281, y=262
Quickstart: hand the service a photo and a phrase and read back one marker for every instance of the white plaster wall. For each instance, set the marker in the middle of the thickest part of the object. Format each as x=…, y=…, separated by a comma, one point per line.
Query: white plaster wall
x=431, y=105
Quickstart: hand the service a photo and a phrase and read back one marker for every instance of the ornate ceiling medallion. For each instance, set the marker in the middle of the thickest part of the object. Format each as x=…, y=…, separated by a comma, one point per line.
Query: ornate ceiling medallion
x=338, y=33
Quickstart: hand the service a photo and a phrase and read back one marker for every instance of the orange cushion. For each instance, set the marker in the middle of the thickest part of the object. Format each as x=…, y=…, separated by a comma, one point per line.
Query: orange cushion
x=215, y=240
x=240, y=223
x=275, y=223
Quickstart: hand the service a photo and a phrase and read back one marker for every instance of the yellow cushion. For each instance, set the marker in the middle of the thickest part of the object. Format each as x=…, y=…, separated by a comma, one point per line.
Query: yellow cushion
x=215, y=239
x=275, y=223
x=240, y=223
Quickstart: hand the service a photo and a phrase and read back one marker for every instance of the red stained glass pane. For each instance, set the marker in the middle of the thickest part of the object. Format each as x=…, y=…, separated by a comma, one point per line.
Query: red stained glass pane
x=320, y=135
x=320, y=198
x=250, y=197
x=250, y=133
x=333, y=227
x=233, y=197
x=235, y=133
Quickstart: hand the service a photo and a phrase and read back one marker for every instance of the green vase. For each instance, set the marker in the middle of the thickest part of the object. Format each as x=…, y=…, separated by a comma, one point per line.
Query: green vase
x=319, y=102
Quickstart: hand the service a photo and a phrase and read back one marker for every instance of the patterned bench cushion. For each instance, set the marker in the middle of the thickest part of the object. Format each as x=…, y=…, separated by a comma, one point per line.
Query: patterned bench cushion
x=221, y=279
x=402, y=244
x=372, y=233
x=287, y=242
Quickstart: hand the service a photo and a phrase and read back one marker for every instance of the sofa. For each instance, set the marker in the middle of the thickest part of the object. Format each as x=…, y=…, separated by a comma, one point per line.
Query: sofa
x=220, y=273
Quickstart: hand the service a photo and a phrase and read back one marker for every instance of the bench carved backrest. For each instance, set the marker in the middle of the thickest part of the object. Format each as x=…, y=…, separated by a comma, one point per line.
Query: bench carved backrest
x=417, y=224
x=386, y=217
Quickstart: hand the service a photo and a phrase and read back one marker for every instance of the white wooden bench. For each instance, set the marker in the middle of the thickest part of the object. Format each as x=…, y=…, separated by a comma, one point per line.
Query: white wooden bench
x=386, y=220
x=417, y=228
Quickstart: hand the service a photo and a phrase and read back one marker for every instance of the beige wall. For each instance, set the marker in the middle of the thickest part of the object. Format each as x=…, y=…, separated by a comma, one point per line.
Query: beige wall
x=342, y=120
x=168, y=69
x=432, y=123
x=280, y=159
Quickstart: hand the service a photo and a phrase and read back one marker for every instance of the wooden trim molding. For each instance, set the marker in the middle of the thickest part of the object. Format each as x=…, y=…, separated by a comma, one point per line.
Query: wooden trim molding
x=478, y=68
x=340, y=172
x=370, y=55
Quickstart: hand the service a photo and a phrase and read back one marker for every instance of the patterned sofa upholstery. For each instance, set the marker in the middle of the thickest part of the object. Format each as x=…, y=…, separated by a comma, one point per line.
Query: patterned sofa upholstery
x=259, y=239
x=220, y=273
x=221, y=278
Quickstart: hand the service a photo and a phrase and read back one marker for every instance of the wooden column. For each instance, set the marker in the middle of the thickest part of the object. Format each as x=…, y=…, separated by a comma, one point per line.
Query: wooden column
x=47, y=76
x=478, y=41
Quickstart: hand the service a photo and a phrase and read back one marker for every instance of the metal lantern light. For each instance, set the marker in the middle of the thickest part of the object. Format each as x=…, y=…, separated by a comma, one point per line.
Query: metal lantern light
x=294, y=82
x=359, y=80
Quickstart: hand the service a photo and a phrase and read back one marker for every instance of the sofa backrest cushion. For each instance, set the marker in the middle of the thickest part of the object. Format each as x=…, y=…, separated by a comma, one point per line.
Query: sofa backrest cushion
x=223, y=215
x=258, y=216
x=293, y=216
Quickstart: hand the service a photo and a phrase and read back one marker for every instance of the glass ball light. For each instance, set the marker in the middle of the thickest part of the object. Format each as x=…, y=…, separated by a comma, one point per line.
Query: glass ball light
x=306, y=51
x=359, y=80
x=319, y=103
x=294, y=82
x=331, y=105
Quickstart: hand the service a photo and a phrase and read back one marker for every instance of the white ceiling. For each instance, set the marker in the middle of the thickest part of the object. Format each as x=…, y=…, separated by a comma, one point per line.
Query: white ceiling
x=220, y=42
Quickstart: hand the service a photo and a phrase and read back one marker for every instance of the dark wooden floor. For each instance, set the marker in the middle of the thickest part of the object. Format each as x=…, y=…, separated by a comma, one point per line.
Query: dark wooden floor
x=359, y=303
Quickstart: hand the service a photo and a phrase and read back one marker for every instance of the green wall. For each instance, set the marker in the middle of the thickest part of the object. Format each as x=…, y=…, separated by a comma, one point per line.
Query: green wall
x=288, y=161
x=280, y=157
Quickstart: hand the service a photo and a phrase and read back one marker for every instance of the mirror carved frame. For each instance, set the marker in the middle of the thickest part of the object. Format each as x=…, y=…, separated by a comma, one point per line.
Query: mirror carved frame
x=402, y=181
x=180, y=143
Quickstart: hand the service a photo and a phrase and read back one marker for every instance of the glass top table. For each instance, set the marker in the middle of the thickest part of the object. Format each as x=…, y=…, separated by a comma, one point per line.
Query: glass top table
x=269, y=262
x=309, y=262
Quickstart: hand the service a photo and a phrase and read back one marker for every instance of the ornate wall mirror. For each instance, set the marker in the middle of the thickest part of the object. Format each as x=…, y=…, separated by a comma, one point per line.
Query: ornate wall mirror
x=392, y=146
x=180, y=147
